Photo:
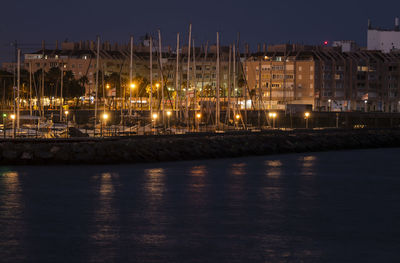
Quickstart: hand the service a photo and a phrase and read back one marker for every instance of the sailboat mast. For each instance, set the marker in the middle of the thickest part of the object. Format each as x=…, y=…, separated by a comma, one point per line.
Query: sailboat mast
x=30, y=88
x=217, y=112
x=234, y=76
x=162, y=77
x=42, y=86
x=177, y=88
x=194, y=79
x=259, y=94
x=61, y=90
x=97, y=82
x=130, y=75
x=18, y=84
x=228, y=112
x=188, y=80
x=151, y=78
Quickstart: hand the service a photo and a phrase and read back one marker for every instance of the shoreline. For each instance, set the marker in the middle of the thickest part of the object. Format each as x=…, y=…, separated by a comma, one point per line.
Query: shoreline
x=167, y=148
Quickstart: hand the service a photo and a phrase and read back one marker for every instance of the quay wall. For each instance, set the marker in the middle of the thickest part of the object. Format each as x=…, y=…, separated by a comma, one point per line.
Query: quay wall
x=141, y=149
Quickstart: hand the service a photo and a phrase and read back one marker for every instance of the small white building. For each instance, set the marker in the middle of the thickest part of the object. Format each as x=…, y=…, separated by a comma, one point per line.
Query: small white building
x=346, y=45
x=383, y=39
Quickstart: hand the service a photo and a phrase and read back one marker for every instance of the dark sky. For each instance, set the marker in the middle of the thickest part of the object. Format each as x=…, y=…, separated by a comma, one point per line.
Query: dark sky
x=278, y=21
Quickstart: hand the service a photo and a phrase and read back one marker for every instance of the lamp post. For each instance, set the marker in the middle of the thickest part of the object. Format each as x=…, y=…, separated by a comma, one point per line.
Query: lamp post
x=306, y=116
x=132, y=86
x=157, y=87
x=104, y=122
x=66, y=119
x=273, y=115
x=169, y=116
x=237, y=117
x=12, y=116
x=365, y=105
x=329, y=105
x=4, y=124
x=155, y=116
x=107, y=90
x=198, y=119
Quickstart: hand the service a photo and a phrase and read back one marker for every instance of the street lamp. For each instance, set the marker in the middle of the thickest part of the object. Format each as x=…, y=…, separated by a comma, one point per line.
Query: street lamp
x=169, y=115
x=4, y=124
x=12, y=116
x=198, y=117
x=155, y=116
x=306, y=116
x=273, y=115
x=132, y=86
x=329, y=104
x=66, y=118
x=366, y=105
x=237, y=117
x=104, y=117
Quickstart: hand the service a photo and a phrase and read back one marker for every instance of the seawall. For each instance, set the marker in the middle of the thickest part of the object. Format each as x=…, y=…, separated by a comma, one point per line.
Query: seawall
x=141, y=149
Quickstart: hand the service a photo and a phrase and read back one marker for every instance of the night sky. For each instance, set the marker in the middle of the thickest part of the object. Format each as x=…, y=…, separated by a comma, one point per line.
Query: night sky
x=260, y=21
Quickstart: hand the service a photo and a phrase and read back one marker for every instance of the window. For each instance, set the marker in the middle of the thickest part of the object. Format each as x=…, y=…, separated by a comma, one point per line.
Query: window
x=277, y=67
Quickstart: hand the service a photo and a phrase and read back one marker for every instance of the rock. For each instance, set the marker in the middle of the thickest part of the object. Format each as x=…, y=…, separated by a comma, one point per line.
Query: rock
x=10, y=154
x=27, y=156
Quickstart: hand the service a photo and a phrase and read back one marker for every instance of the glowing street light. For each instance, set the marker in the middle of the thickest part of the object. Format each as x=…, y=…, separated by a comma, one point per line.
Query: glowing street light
x=157, y=85
x=306, y=116
x=169, y=115
x=66, y=119
x=133, y=85
x=155, y=116
x=12, y=117
x=105, y=118
x=273, y=116
x=107, y=86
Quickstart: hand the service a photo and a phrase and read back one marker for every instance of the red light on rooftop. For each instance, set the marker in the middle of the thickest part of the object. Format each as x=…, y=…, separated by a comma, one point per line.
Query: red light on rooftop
x=326, y=43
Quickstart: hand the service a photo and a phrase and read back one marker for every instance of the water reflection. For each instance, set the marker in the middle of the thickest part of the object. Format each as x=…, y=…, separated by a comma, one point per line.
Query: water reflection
x=308, y=164
x=196, y=185
x=273, y=189
x=105, y=219
x=197, y=178
x=237, y=175
x=155, y=213
x=155, y=184
x=238, y=169
x=274, y=168
x=12, y=227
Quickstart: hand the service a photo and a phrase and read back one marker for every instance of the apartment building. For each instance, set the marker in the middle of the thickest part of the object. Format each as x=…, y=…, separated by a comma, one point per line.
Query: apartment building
x=326, y=79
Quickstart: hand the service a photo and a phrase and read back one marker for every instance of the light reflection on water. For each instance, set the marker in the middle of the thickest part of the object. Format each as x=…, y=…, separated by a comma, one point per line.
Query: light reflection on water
x=11, y=216
x=105, y=219
x=287, y=208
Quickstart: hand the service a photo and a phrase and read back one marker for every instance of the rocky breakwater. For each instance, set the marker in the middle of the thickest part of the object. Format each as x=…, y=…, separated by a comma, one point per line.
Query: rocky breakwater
x=188, y=147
